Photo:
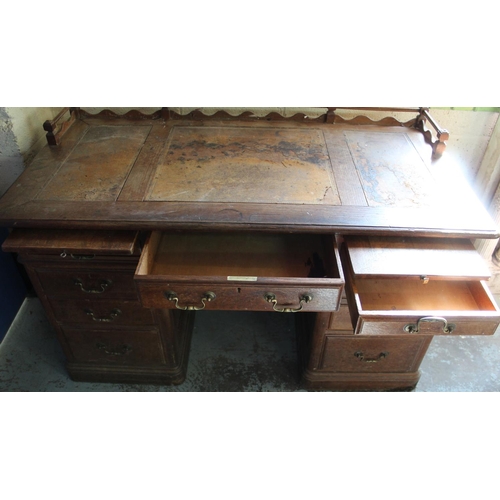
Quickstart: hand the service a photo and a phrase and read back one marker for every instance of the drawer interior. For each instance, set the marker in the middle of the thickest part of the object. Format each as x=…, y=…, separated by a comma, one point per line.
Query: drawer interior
x=240, y=254
x=412, y=295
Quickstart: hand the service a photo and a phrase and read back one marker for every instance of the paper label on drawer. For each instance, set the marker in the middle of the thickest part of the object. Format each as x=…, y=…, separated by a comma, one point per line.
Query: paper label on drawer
x=242, y=278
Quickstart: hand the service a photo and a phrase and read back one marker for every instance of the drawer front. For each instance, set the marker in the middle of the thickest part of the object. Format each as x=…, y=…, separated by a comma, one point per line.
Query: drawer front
x=372, y=354
x=101, y=313
x=82, y=284
x=423, y=324
x=141, y=347
x=399, y=307
x=243, y=298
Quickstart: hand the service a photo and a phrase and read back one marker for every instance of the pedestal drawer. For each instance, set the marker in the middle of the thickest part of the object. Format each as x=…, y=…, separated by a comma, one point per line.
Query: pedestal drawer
x=384, y=307
x=117, y=347
x=101, y=313
x=253, y=272
x=390, y=292
x=85, y=283
x=373, y=354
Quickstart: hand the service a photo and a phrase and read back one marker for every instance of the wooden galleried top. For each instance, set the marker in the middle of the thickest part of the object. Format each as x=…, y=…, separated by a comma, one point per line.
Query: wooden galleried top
x=167, y=171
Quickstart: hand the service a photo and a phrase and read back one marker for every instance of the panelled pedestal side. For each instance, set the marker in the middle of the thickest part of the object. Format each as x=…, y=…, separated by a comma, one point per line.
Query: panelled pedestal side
x=84, y=279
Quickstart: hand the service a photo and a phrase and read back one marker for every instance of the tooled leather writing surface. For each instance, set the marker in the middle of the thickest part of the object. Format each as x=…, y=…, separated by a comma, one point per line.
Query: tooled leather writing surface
x=240, y=175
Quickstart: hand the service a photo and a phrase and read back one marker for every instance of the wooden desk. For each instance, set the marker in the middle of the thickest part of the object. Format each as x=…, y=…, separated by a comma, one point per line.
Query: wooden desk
x=129, y=225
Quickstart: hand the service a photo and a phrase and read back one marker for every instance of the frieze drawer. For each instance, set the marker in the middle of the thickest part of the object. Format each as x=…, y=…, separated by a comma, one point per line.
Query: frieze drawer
x=240, y=271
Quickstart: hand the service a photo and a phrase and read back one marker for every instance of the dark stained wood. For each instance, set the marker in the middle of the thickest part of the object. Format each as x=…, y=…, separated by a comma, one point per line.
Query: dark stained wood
x=140, y=177
x=96, y=313
x=388, y=306
x=250, y=200
x=338, y=362
x=56, y=128
x=346, y=177
x=111, y=347
x=105, y=332
x=132, y=115
x=373, y=355
x=265, y=175
x=438, y=144
x=143, y=371
x=240, y=270
x=81, y=283
x=76, y=241
x=473, y=220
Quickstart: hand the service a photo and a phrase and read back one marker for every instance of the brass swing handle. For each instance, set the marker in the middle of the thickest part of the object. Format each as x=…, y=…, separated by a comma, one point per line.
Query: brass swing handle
x=114, y=314
x=103, y=284
x=447, y=327
x=208, y=297
x=380, y=357
x=119, y=351
x=271, y=298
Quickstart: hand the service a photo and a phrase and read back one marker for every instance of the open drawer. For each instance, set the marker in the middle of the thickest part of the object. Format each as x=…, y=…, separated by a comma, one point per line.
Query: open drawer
x=418, y=286
x=240, y=271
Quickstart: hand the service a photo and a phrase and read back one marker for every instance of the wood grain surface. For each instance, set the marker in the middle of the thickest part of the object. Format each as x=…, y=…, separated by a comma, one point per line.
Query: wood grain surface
x=442, y=258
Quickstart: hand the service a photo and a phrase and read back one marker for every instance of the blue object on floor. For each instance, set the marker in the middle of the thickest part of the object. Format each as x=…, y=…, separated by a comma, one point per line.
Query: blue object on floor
x=12, y=288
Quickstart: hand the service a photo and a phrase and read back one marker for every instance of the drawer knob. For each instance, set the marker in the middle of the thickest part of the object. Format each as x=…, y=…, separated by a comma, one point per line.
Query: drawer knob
x=114, y=314
x=208, y=297
x=380, y=357
x=271, y=298
x=103, y=285
x=447, y=327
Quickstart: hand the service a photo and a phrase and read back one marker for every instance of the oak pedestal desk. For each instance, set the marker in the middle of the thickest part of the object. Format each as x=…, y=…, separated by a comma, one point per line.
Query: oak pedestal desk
x=127, y=225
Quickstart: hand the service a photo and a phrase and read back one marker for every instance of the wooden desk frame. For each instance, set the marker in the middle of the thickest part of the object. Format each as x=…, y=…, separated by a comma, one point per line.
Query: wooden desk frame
x=105, y=182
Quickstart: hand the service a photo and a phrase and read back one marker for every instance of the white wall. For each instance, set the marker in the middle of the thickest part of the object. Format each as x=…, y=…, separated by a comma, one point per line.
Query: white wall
x=21, y=137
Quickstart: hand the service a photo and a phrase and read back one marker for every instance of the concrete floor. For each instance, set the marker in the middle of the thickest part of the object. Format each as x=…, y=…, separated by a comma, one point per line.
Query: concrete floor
x=259, y=354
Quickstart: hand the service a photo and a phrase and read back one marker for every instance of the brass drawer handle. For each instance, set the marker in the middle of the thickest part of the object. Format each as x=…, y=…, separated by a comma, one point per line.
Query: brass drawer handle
x=271, y=298
x=78, y=256
x=208, y=297
x=380, y=357
x=119, y=351
x=447, y=327
x=103, y=284
x=114, y=314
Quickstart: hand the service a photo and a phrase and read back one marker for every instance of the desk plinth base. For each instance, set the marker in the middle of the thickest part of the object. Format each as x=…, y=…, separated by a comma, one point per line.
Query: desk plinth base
x=347, y=382
x=82, y=372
